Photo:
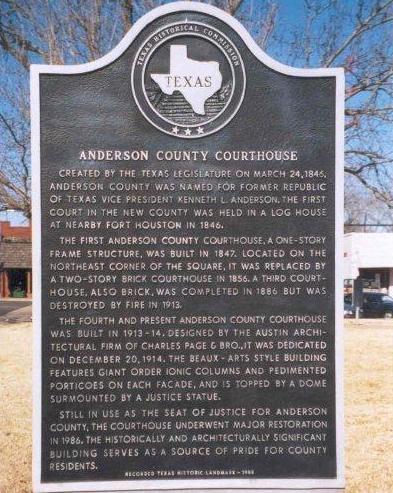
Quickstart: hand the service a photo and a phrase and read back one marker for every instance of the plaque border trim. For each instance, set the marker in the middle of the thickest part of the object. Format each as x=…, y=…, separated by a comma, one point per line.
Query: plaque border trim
x=246, y=484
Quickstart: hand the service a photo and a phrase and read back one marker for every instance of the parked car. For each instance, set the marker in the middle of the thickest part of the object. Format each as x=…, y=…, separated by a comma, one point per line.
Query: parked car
x=377, y=305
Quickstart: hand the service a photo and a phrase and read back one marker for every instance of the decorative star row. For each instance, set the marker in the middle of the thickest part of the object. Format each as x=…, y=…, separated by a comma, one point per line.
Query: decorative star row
x=187, y=131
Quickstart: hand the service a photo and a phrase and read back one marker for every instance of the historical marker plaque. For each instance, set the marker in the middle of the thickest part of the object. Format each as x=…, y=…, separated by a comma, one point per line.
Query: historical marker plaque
x=187, y=210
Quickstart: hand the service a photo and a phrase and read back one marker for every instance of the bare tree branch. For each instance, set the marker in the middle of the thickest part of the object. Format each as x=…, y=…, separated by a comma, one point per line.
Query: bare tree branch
x=357, y=35
x=375, y=19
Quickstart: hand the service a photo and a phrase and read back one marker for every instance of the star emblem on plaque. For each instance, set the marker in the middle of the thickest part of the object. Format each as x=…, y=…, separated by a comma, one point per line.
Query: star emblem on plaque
x=188, y=81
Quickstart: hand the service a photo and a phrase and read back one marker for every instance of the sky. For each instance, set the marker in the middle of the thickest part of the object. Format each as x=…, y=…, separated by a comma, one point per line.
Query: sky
x=15, y=218
x=289, y=11
x=290, y=22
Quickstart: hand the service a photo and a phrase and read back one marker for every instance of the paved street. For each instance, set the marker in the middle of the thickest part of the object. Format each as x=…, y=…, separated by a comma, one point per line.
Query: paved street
x=20, y=310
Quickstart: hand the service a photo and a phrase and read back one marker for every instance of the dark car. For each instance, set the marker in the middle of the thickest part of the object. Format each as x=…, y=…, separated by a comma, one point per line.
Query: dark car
x=377, y=305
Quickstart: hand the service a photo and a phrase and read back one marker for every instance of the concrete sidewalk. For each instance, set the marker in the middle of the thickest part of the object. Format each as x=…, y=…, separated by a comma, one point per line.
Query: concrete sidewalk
x=17, y=314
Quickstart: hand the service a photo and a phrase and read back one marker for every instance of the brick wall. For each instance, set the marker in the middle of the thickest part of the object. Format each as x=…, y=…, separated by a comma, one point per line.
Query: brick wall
x=14, y=232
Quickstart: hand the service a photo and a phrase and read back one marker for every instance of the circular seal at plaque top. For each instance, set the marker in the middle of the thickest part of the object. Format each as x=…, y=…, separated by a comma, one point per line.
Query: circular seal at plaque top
x=188, y=79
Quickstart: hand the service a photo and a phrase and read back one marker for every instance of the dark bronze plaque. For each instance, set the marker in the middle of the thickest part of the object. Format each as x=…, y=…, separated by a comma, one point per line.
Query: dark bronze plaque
x=187, y=223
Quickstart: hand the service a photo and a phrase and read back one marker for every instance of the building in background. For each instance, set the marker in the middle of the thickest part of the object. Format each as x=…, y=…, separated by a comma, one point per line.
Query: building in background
x=369, y=256
x=15, y=261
